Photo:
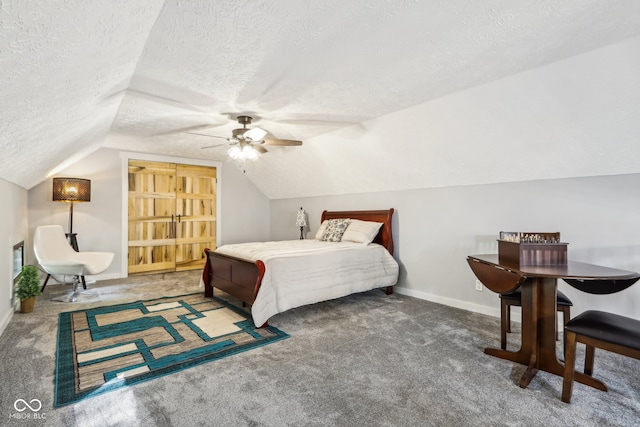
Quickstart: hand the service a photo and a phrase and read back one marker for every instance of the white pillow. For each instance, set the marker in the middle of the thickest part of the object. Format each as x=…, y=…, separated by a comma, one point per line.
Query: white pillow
x=361, y=231
x=320, y=231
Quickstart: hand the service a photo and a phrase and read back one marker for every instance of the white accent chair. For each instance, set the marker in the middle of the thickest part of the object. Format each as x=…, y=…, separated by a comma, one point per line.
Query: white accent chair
x=56, y=256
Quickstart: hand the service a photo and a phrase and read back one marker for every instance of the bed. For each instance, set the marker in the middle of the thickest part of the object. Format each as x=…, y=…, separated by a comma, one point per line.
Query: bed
x=274, y=277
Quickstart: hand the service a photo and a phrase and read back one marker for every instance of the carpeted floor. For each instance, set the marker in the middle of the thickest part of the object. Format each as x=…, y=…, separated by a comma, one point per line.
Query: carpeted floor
x=368, y=359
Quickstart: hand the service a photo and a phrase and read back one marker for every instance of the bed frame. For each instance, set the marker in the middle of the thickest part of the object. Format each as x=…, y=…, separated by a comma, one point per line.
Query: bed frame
x=242, y=279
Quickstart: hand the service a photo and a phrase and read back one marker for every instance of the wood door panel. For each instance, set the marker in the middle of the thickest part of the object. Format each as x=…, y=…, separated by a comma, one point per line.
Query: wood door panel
x=196, y=210
x=152, y=197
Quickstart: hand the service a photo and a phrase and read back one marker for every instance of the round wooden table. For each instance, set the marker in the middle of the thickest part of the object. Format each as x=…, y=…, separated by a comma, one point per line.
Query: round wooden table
x=539, y=287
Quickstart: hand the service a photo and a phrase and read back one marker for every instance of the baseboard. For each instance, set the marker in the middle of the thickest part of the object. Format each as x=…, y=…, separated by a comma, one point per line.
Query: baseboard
x=464, y=305
x=516, y=315
x=6, y=320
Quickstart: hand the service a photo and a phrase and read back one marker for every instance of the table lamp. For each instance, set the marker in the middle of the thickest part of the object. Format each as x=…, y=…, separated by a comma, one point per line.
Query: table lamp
x=301, y=221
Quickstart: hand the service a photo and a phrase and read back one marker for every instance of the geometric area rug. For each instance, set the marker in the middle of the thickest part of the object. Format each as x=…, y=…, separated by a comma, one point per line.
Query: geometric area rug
x=104, y=348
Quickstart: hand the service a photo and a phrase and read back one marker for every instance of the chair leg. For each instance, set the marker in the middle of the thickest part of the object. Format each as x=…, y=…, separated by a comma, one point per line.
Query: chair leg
x=589, y=358
x=504, y=323
x=45, y=283
x=566, y=316
x=569, y=366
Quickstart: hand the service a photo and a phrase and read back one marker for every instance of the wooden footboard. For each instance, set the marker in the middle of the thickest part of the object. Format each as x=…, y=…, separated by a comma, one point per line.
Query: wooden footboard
x=234, y=276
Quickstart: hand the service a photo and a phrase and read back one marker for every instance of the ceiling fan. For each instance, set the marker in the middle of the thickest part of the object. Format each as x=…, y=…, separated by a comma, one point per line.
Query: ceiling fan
x=247, y=143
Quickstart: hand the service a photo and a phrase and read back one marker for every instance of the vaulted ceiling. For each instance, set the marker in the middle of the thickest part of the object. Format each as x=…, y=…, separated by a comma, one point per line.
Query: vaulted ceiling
x=77, y=75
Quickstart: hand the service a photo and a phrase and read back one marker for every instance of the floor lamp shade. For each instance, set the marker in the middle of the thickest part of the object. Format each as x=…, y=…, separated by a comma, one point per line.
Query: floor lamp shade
x=71, y=190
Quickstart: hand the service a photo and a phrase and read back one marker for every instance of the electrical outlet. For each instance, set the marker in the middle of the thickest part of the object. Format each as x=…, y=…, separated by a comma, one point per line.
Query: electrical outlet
x=478, y=285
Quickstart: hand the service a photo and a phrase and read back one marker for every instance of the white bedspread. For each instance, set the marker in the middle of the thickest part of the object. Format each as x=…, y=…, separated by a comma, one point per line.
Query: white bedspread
x=301, y=272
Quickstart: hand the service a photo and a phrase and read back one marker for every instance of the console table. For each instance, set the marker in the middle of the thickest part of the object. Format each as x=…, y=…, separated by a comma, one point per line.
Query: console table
x=539, y=287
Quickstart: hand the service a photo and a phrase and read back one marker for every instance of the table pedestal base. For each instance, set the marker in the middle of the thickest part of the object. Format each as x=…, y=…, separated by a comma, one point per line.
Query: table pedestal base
x=553, y=367
x=538, y=349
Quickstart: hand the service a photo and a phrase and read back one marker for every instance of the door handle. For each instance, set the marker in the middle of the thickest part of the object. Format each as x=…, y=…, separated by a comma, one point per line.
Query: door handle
x=171, y=228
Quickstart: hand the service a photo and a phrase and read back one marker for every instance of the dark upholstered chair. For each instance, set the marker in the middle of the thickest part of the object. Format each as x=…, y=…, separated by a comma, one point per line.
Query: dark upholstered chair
x=607, y=331
x=515, y=299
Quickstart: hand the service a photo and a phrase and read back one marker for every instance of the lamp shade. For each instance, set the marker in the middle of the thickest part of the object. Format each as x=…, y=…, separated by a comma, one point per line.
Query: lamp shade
x=71, y=190
x=301, y=218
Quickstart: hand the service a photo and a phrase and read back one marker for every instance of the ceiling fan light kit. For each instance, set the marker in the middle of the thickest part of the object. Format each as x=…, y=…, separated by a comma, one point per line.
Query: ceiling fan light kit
x=242, y=152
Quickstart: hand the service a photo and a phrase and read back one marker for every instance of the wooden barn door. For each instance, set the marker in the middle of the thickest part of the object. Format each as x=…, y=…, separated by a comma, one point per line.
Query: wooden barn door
x=195, y=215
x=152, y=208
x=172, y=216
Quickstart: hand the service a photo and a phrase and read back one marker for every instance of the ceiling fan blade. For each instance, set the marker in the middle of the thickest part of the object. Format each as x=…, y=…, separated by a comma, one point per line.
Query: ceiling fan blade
x=316, y=122
x=282, y=142
x=255, y=134
x=259, y=148
x=210, y=136
x=188, y=129
x=212, y=146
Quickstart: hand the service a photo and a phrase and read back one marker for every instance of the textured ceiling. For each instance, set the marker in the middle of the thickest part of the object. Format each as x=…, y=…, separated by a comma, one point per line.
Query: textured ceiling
x=80, y=75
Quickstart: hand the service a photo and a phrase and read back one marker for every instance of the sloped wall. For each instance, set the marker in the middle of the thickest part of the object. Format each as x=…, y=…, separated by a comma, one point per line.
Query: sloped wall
x=571, y=118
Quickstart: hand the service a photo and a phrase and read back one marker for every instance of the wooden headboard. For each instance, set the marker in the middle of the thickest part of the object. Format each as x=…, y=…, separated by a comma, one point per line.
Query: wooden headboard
x=385, y=235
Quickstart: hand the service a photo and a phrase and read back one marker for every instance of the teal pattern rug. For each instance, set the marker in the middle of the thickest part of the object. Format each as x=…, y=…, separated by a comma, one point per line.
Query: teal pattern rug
x=105, y=348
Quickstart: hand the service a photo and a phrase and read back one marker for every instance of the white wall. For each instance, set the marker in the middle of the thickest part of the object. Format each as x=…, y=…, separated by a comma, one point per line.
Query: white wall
x=99, y=223
x=435, y=230
x=245, y=210
x=13, y=230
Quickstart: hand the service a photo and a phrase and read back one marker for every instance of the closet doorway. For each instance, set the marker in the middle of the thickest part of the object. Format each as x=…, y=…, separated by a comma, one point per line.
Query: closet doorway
x=171, y=216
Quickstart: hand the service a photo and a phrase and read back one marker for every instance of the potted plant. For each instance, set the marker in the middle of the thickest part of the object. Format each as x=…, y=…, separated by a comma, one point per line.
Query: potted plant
x=28, y=288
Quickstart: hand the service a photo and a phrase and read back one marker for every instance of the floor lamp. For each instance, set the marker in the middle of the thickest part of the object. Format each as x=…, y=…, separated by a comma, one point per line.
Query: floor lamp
x=71, y=190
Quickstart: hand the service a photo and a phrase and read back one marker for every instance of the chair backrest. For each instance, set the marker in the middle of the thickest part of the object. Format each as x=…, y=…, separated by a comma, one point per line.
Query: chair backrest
x=50, y=243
